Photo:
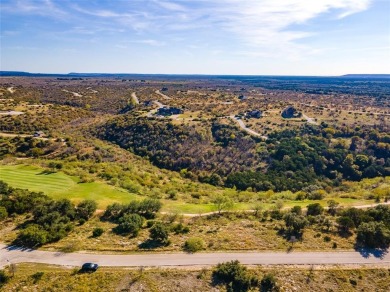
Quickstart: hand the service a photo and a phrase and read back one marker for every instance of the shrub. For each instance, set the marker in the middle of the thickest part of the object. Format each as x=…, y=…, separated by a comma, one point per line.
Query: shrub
x=37, y=276
x=268, y=283
x=4, y=278
x=130, y=224
x=3, y=213
x=150, y=223
x=235, y=276
x=32, y=236
x=194, y=244
x=98, y=231
x=297, y=210
x=113, y=212
x=373, y=234
x=327, y=238
x=159, y=232
x=85, y=209
x=314, y=209
x=180, y=228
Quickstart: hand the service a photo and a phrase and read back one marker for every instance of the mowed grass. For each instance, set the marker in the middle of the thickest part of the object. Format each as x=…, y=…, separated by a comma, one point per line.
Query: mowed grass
x=59, y=185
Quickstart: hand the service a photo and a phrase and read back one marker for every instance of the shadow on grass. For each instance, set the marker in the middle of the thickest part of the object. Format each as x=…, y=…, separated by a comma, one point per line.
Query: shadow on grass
x=344, y=233
x=46, y=172
x=152, y=244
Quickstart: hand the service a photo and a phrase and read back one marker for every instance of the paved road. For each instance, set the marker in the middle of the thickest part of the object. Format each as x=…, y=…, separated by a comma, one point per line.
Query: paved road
x=135, y=98
x=9, y=255
x=284, y=208
x=309, y=120
x=162, y=94
x=245, y=128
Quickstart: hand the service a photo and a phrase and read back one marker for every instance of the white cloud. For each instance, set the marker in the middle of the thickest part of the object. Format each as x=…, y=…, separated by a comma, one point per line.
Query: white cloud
x=261, y=27
x=149, y=42
x=266, y=24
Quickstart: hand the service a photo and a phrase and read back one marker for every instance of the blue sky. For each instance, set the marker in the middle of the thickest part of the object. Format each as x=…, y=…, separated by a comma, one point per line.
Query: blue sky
x=263, y=37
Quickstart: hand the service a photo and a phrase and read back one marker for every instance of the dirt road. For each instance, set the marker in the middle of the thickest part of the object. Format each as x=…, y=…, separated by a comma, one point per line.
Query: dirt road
x=15, y=255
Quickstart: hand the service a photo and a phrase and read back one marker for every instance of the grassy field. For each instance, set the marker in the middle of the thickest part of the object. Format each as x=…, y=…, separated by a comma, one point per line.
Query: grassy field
x=37, y=277
x=59, y=185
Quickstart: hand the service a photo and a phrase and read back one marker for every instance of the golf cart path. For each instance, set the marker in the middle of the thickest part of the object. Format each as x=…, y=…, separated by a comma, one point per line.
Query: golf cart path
x=16, y=255
x=285, y=208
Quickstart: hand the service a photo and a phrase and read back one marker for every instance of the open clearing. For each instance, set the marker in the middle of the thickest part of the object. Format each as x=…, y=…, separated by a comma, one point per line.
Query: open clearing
x=59, y=185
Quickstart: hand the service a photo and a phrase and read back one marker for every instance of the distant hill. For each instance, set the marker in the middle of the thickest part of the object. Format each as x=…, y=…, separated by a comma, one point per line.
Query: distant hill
x=195, y=76
x=367, y=76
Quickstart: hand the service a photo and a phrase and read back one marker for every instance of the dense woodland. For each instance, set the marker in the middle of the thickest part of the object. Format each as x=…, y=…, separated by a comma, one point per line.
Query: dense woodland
x=210, y=153
x=288, y=160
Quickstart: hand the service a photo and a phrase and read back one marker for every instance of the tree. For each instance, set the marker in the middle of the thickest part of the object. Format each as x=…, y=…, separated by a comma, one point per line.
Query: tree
x=159, y=232
x=222, y=202
x=296, y=210
x=332, y=207
x=373, y=234
x=32, y=236
x=268, y=284
x=3, y=213
x=345, y=223
x=4, y=278
x=314, y=209
x=235, y=276
x=113, y=212
x=85, y=209
x=130, y=223
x=98, y=231
x=149, y=207
x=4, y=188
x=295, y=223
x=194, y=244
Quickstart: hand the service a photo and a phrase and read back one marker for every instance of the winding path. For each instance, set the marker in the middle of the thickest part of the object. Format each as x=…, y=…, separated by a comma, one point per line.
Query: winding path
x=162, y=94
x=245, y=128
x=16, y=255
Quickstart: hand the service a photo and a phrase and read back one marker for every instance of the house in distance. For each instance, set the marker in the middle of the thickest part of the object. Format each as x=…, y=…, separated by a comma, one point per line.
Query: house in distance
x=169, y=111
x=254, y=114
x=290, y=112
